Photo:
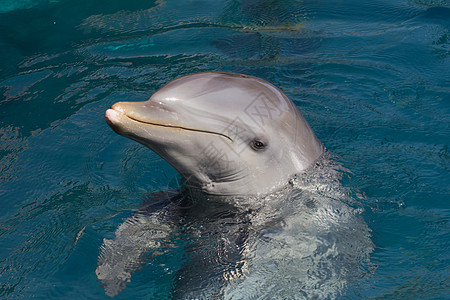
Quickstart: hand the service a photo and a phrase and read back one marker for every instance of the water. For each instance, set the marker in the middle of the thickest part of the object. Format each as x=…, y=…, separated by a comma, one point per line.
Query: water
x=371, y=77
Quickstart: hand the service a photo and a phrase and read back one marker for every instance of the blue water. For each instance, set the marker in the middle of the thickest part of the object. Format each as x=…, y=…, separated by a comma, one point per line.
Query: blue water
x=371, y=77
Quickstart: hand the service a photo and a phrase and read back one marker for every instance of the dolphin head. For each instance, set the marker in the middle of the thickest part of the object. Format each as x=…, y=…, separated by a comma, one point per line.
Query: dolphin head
x=227, y=134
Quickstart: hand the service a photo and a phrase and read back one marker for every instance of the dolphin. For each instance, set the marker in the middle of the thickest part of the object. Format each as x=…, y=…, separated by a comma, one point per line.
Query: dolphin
x=225, y=133
x=240, y=144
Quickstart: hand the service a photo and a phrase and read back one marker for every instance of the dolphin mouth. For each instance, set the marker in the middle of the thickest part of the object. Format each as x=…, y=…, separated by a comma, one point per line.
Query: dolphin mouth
x=112, y=119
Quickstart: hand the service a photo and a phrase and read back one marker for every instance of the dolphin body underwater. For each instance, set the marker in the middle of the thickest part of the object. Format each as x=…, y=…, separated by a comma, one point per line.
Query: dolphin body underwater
x=261, y=200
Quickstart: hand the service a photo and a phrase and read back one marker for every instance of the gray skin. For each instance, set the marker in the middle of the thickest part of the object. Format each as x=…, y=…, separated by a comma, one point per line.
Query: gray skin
x=230, y=136
x=226, y=134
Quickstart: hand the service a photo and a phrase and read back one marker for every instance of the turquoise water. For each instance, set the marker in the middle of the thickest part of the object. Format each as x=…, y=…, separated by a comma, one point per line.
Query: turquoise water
x=371, y=77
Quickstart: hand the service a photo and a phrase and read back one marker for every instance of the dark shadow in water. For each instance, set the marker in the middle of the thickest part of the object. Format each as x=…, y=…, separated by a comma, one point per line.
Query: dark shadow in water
x=219, y=233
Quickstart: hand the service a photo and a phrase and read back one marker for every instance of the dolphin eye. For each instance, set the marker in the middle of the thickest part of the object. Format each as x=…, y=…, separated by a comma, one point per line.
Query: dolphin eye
x=258, y=145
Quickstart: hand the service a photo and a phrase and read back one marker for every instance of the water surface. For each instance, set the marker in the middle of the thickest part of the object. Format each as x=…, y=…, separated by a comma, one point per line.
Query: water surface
x=371, y=77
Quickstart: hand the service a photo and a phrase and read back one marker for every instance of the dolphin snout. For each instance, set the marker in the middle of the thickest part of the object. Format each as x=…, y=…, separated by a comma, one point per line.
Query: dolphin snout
x=110, y=116
x=119, y=107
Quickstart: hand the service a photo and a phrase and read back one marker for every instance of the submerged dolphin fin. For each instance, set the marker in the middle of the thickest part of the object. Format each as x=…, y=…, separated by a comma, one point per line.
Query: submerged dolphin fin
x=138, y=237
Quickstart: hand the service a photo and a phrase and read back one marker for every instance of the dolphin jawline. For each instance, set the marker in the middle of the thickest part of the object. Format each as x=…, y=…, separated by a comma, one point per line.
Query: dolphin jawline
x=167, y=125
